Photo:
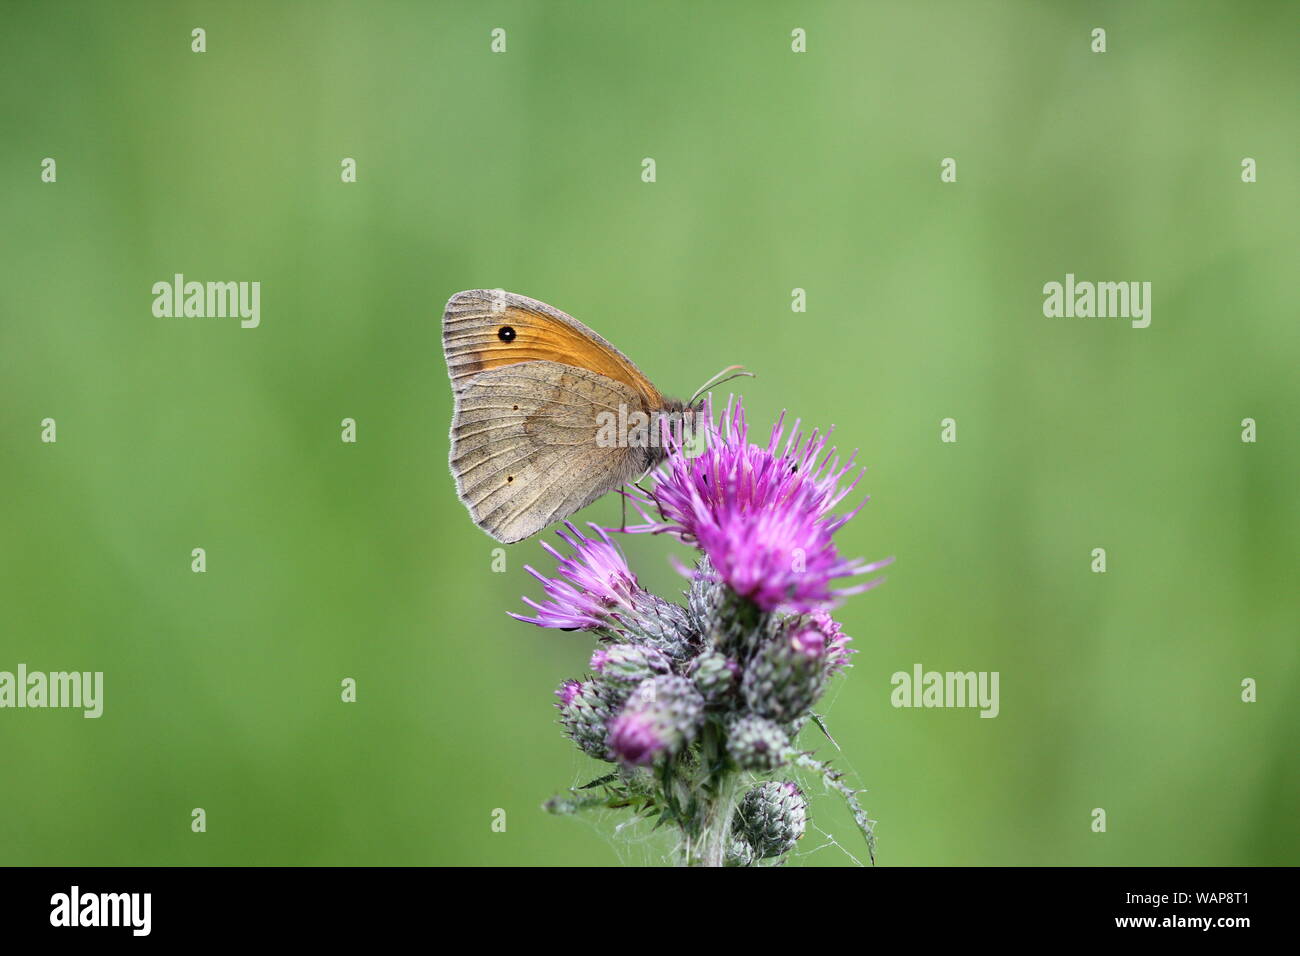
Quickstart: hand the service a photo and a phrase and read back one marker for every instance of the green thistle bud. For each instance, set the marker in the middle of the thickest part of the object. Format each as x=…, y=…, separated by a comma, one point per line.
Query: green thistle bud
x=719, y=615
x=714, y=675
x=771, y=818
x=653, y=621
x=757, y=744
x=585, y=709
x=740, y=853
x=786, y=676
x=662, y=715
x=621, y=667
x=705, y=596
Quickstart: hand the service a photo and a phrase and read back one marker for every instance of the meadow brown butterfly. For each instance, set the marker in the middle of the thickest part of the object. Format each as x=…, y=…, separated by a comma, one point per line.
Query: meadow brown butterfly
x=548, y=415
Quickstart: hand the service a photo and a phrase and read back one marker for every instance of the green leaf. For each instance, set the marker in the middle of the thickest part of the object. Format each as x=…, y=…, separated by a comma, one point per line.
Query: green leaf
x=600, y=781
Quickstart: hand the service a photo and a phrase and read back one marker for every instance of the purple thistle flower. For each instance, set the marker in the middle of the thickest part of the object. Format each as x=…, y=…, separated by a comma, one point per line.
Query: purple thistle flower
x=662, y=715
x=567, y=691
x=634, y=738
x=809, y=642
x=599, y=581
x=718, y=688
x=835, y=641
x=760, y=513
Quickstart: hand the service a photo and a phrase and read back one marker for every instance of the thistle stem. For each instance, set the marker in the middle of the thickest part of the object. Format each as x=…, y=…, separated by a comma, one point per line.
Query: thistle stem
x=720, y=788
x=716, y=832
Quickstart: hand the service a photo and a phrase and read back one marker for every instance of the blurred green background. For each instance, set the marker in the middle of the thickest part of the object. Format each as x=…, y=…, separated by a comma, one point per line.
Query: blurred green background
x=522, y=170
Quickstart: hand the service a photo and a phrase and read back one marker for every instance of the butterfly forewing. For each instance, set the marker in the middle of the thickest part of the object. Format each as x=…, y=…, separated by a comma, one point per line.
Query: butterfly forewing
x=483, y=329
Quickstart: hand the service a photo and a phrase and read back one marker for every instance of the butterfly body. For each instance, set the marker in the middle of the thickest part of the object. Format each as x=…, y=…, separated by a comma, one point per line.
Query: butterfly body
x=548, y=415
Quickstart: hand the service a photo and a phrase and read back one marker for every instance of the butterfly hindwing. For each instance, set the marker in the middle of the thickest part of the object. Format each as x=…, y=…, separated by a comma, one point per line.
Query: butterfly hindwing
x=525, y=449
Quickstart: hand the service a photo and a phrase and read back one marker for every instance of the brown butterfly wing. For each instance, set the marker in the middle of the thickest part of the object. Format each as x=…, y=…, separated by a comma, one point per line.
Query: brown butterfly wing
x=483, y=329
x=524, y=450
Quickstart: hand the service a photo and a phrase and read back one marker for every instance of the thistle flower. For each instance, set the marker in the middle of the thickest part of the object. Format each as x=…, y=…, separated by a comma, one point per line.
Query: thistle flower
x=601, y=594
x=690, y=699
x=636, y=738
x=762, y=514
x=661, y=716
x=585, y=709
x=568, y=691
x=837, y=652
x=600, y=582
x=772, y=817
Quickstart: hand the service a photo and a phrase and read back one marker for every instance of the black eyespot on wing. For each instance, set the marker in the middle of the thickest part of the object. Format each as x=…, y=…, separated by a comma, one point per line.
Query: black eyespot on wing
x=506, y=333
x=509, y=478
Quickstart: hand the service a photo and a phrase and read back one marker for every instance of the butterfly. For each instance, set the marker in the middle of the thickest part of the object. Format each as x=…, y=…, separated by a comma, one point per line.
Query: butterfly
x=548, y=416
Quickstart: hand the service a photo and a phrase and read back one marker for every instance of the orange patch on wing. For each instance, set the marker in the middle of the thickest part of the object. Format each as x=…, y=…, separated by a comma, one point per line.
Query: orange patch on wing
x=540, y=338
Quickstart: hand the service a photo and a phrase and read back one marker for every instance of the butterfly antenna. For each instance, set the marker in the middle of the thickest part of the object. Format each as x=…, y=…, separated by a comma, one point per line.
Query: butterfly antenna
x=726, y=375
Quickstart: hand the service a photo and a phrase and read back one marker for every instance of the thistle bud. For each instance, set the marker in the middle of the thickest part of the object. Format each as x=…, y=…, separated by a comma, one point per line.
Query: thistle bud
x=740, y=853
x=621, y=667
x=757, y=744
x=705, y=596
x=662, y=715
x=771, y=818
x=585, y=709
x=787, y=674
x=836, y=653
x=719, y=615
x=667, y=626
x=714, y=675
